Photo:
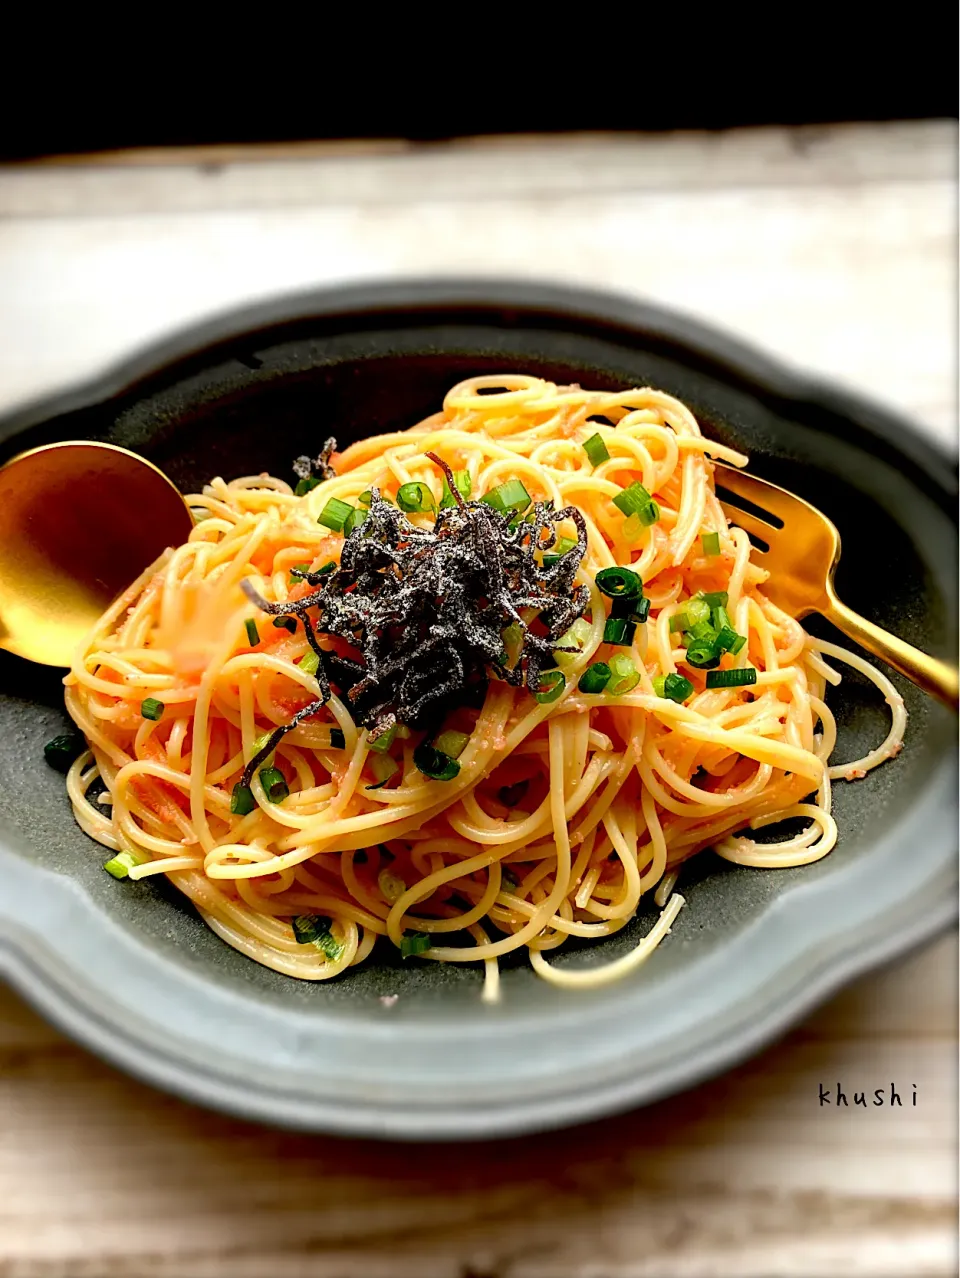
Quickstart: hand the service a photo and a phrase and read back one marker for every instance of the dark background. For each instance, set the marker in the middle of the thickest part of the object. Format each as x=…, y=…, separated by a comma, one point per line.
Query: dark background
x=808, y=69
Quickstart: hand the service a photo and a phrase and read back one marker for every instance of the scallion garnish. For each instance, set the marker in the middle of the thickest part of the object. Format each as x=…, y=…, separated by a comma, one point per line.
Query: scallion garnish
x=710, y=542
x=61, y=751
x=635, y=500
x=702, y=654
x=242, y=800
x=415, y=498
x=715, y=598
x=337, y=740
x=596, y=449
x=619, y=583
x=673, y=686
x=575, y=637
x=552, y=684
x=452, y=743
x=737, y=644
x=463, y=485
x=335, y=514
x=624, y=676
x=434, y=763
x=121, y=864
x=298, y=572
x=151, y=708
x=315, y=929
x=253, y=634
x=384, y=741
x=274, y=784
x=365, y=499
x=740, y=677
x=508, y=496
x=595, y=678
x=285, y=623
x=383, y=767
x=354, y=520
x=619, y=631
x=412, y=943
x=305, y=486
x=564, y=544
x=325, y=568
x=310, y=662
x=720, y=619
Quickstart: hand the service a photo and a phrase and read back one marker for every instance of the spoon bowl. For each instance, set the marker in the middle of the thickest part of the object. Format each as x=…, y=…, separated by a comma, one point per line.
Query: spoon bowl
x=79, y=521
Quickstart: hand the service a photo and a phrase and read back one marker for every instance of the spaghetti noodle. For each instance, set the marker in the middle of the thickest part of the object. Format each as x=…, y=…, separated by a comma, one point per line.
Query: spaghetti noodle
x=559, y=811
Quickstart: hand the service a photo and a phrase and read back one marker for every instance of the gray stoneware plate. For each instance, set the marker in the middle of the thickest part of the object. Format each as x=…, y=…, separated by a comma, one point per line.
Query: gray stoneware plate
x=130, y=970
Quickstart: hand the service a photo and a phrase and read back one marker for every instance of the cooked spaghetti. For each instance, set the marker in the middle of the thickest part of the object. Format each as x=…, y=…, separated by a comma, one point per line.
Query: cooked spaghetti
x=478, y=686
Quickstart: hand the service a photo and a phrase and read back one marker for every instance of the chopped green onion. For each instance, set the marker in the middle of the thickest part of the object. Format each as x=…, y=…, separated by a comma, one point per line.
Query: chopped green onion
x=633, y=499
x=678, y=622
x=315, y=929
x=720, y=619
x=452, y=743
x=412, y=943
x=632, y=528
x=310, y=662
x=274, y=784
x=391, y=885
x=337, y=740
x=693, y=612
x=619, y=631
x=354, y=520
x=595, y=678
x=564, y=544
x=702, y=654
x=596, y=449
x=298, y=569
x=62, y=750
x=415, y=498
x=649, y=514
x=259, y=743
x=463, y=485
x=633, y=609
x=327, y=567
x=383, y=767
x=510, y=495
x=253, y=634
x=575, y=637
x=242, y=800
x=704, y=631
x=305, y=486
x=741, y=677
x=619, y=583
x=365, y=499
x=715, y=598
x=384, y=741
x=737, y=645
x=434, y=763
x=285, y=623
x=624, y=676
x=121, y=864
x=335, y=514
x=673, y=686
x=552, y=684
x=151, y=708
x=710, y=543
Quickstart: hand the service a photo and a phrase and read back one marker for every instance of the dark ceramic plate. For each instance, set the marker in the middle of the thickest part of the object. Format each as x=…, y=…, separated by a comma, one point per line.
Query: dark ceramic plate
x=132, y=972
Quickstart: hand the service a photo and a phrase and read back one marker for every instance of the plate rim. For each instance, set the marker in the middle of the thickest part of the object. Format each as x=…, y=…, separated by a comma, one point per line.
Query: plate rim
x=22, y=952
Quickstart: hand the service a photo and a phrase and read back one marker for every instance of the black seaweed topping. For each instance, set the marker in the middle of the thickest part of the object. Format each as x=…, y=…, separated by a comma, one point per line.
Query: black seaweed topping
x=319, y=467
x=427, y=608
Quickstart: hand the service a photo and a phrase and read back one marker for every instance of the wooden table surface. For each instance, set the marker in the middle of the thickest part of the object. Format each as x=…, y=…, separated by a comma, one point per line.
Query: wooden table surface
x=834, y=247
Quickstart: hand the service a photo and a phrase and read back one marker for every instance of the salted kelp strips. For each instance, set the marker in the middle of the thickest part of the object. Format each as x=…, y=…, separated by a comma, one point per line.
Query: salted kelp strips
x=425, y=608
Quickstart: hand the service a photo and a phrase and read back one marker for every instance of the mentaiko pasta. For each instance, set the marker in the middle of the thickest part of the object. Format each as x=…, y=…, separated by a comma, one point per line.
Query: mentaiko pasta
x=679, y=707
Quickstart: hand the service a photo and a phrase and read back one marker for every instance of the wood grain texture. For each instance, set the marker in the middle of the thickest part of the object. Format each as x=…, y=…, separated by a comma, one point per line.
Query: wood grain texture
x=833, y=247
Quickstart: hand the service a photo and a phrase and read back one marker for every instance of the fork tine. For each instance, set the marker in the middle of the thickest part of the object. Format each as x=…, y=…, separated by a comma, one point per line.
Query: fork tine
x=749, y=523
x=758, y=491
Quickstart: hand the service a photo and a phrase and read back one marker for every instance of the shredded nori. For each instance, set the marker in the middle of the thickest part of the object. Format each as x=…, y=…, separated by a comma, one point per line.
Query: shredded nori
x=319, y=467
x=427, y=607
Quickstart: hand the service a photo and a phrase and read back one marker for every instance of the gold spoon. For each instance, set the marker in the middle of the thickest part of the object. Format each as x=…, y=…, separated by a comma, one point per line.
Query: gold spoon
x=803, y=549
x=79, y=521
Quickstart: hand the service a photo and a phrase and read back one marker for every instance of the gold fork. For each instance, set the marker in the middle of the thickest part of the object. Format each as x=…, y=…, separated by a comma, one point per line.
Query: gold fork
x=802, y=560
